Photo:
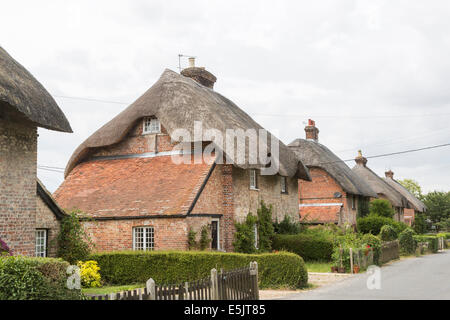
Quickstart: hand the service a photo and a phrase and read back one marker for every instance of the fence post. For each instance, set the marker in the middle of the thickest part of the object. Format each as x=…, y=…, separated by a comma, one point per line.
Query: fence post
x=351, y=260
x=214, y=285
x=254, y=275
x=151, y=289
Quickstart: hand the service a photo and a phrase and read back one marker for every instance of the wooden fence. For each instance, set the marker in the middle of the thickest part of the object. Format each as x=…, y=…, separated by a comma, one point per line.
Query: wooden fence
x=238, y=284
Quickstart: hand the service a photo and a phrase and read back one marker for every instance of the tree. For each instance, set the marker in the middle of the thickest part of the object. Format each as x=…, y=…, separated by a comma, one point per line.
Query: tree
x=412, y=186
x=420, y=224
x=382, y=208
x=74, y=243
x=265, y=228
x=438, y=205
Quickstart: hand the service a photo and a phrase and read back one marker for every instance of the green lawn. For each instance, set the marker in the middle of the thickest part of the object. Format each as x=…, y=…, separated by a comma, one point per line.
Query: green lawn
x=112, y=289
x=313, y=266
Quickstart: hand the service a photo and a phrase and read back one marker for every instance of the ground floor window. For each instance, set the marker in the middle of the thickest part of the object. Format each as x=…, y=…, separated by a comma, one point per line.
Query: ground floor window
x=143, y=238
x=41, y=243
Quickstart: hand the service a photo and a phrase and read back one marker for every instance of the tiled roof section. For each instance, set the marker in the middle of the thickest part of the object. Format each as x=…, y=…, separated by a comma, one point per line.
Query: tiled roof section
x=132, y=187
x=320, y=214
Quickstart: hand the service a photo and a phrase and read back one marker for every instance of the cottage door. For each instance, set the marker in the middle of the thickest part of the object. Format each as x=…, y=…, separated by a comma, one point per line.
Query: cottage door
x=215, y=235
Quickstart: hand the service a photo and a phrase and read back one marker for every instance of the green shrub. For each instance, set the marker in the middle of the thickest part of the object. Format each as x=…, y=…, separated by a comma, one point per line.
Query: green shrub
x=407, y=242
x=24, y=278
x=310, y=248
x=375, y=243
x=382, y=208
x=192, y=242
x=287, y=226
x=73, y=242
x=281, y=269
x=205, y=241
x=265, y=228
x=244, y=237
x=433, y=244
x=90, y=275
x=373, y=224
x=445, y=235
x=387, y=233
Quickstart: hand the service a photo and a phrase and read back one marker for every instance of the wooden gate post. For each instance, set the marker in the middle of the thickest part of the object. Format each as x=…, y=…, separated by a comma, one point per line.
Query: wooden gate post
x=151, y=289
x=254, y=276
x=351, y=260
x=214, y=285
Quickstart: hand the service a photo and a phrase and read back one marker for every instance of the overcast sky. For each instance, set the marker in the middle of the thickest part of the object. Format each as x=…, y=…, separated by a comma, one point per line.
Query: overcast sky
x=374, y=75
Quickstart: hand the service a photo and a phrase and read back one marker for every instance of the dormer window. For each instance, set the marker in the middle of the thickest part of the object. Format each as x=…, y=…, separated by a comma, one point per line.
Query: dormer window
x=151, y=125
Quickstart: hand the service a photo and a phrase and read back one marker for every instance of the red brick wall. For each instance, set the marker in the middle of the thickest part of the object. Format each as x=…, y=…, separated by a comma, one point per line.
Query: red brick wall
x=18, y=157
x=228, y=206
x=118, y=234
x=322, y=189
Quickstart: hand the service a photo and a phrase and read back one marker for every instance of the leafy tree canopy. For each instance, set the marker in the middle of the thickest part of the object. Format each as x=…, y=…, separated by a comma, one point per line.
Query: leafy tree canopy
x=413, y=187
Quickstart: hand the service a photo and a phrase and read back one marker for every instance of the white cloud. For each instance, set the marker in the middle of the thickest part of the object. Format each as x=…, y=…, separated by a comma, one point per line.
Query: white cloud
x=312, y=59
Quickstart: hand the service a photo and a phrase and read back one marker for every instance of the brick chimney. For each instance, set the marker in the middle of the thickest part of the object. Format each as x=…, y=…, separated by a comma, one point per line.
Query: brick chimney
x=389, y=174
x=312, y=133
x=199, y=74
x=360, y=160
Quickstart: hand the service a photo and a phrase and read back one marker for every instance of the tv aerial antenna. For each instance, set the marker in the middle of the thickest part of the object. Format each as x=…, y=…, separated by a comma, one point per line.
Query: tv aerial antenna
x=183, y=56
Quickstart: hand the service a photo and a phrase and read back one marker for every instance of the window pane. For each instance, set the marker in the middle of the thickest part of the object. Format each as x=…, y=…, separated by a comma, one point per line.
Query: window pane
x=143, y=238
x=41, y=243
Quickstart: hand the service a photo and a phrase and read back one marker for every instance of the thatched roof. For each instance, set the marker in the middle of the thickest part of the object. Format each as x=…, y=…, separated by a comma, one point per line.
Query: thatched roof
x=21, y=91
x=178, y=101
x=314, y=154
x=380, y=186
x=415, y=203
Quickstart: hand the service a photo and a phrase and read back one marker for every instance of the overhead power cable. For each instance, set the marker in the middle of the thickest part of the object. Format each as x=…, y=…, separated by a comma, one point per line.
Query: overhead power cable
x=286, y=115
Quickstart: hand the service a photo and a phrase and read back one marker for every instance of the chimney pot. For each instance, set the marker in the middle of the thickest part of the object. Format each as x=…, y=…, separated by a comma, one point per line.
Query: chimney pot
x=360, y=160
x=389, y=174
x=312, y=132
x=191, y=62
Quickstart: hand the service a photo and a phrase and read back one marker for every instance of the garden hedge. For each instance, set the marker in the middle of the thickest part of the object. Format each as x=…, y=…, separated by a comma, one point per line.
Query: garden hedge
x=373, y=224
x=433, y=244
x=276, y=270
x=23, y=278
x=309, y=247
x=407, y=242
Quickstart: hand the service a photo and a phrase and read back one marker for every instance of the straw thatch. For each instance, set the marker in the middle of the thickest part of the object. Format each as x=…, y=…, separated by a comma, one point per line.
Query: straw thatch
x=178, y=101
x=415, y=203
x=313, y=154
x=22, y=92
x=380, y=186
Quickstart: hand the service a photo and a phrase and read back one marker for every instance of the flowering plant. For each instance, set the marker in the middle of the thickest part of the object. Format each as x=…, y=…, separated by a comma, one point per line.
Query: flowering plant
x=4, y=249
x=90, y=276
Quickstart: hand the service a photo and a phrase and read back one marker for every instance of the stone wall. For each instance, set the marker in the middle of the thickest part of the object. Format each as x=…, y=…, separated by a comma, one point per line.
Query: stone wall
x=18, y=158
x=269, y=190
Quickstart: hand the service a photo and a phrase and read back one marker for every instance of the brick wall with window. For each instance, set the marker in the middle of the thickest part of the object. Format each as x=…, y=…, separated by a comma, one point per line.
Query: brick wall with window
x=46, y=219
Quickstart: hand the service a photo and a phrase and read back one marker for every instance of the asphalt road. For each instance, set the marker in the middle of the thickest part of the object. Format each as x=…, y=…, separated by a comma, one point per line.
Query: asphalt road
x=425, y=277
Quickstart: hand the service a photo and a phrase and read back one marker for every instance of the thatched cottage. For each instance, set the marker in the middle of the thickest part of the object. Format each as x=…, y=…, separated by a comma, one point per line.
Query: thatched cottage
x=415, y=205
x=383, y=189
x=335, y=192
x=28, y=214
x=125, y=179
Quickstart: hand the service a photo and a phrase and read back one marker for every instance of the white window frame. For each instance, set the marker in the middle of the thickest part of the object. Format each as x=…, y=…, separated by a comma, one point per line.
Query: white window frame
x=255, y=231
x=40, y=243
x=151, y=125
x=253, y=179
x=283, y=183
x=218, y=232
x=146, y=230
x=353, y=202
